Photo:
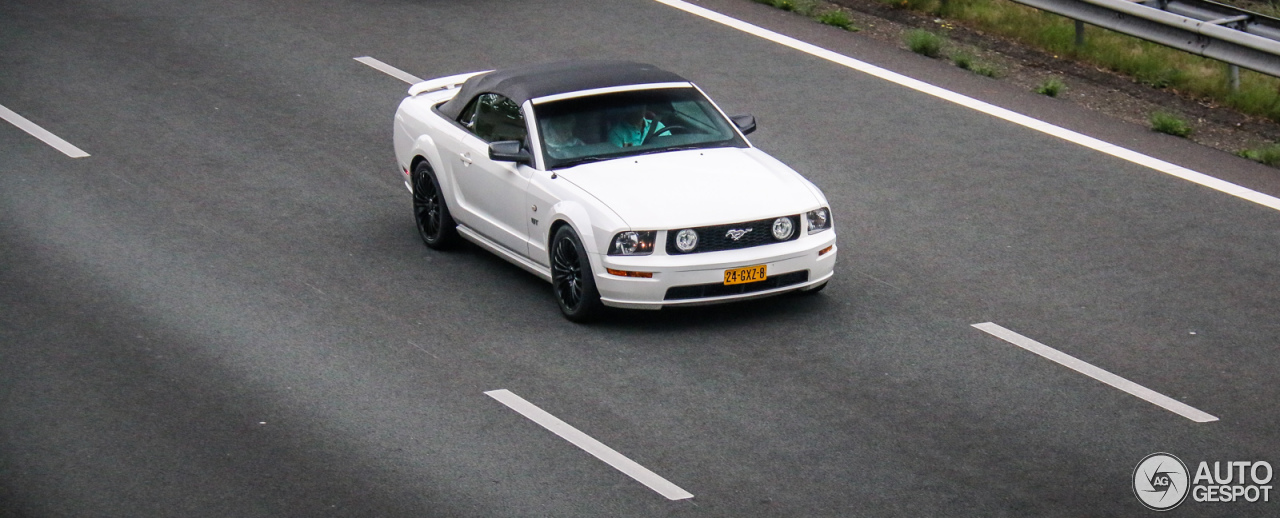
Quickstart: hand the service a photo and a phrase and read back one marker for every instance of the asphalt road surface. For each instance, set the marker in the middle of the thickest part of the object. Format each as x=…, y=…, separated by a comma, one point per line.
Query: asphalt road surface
x=224, y=310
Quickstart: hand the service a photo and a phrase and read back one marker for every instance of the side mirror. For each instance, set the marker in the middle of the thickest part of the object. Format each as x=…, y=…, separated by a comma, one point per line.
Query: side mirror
x=509, y=151
x=745, y=123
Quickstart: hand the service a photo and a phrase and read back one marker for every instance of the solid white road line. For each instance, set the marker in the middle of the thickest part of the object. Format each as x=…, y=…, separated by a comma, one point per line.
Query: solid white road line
x=36, y=131
x=996, y=111
x=389, y=70
x=592, y=446
x=1082, y=367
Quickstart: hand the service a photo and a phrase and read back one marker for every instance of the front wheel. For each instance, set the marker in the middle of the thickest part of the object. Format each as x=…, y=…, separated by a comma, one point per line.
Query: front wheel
x=435, y=225
x=571, y=278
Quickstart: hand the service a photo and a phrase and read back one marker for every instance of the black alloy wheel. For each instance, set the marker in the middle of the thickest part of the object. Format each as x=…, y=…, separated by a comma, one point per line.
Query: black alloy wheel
x=571, y=279
x=435, y=225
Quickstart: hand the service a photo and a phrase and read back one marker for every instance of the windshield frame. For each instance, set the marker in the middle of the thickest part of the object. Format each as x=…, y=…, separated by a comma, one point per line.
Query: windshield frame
x=680, y=92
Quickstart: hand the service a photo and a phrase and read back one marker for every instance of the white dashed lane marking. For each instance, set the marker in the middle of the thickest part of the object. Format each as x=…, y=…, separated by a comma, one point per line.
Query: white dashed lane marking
x=592, y=446
x=36, y=131
x=389, y=70
x=1089, y=370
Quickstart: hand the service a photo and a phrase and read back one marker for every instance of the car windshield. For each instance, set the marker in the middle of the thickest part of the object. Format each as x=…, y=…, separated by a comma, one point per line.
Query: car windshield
x=606, y=126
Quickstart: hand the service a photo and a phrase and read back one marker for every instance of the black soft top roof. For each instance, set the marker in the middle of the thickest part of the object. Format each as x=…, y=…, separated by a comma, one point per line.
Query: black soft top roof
x=532, y=81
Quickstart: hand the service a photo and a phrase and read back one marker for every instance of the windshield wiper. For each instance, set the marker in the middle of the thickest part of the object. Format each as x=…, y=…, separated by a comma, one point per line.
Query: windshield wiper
x=673, y=148
x=588, y=159
x=583, y=160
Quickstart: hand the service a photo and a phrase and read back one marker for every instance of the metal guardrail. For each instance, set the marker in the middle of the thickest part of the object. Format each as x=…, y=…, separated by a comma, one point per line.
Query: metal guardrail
x=1218, y=31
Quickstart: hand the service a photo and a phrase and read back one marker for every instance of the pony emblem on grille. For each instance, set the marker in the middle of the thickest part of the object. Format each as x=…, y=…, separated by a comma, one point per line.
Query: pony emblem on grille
x=736, y=233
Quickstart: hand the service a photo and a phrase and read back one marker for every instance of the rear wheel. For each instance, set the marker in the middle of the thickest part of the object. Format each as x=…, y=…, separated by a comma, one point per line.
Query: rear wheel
x=571, y=278
x=435, y=225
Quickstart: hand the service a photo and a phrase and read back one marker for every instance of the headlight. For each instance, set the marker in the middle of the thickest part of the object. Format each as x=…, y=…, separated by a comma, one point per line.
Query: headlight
x=782, y=228
x=632, y=243
x=819, y=220
x=686, y=240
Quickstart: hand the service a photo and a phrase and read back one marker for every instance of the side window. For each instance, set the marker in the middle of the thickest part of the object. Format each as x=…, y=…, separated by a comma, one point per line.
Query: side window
x=493, y=117
x=468, y=116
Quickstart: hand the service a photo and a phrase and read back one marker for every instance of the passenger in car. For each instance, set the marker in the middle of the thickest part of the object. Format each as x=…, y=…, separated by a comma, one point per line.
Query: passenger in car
x=560, y=134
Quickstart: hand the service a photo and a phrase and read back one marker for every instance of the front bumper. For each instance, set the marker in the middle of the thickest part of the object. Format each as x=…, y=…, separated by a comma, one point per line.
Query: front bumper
x=699, y=278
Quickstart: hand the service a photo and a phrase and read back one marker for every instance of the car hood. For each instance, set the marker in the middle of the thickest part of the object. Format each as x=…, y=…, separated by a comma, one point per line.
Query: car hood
x=695, y=187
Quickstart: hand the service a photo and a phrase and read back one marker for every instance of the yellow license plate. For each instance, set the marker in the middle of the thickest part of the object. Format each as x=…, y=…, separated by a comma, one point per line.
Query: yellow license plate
x=745, y=275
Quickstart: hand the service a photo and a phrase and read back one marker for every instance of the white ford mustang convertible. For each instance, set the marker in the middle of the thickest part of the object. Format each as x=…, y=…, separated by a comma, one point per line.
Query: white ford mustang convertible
x=620, y=183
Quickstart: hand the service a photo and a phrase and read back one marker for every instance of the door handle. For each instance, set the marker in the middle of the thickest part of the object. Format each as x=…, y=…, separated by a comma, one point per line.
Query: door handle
x=466, y=158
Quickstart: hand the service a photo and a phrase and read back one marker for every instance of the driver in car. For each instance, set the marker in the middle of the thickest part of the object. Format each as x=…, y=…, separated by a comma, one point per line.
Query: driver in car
x=635, y=127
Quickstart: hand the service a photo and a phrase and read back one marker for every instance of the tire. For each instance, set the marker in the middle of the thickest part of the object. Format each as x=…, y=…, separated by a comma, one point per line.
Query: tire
x=572, y=282
x=435, y=226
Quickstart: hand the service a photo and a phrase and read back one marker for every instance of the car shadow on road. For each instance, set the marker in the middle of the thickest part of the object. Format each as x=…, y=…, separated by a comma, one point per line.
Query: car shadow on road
x=790, y=309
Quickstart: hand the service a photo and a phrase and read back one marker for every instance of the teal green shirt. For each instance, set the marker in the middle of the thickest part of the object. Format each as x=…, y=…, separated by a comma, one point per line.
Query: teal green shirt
x=626, y=135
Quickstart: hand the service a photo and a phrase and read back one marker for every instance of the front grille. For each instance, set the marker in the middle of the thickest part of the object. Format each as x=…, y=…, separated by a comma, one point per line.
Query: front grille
x=718, y=289
x=716, y=237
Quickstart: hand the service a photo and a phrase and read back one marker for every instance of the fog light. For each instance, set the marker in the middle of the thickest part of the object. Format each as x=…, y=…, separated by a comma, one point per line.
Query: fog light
x=686, y=240
x=782, y=228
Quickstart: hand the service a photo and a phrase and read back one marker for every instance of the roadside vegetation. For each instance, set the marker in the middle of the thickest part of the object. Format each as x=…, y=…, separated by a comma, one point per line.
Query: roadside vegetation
x=836, y=18
x=1170, y=124
x=924, y=43
x=818, y=10
x=966, y=60
x=933, y=45
x=1269, y=155
x=1147, y=63
x=1264, y=7
x=1051, y=87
